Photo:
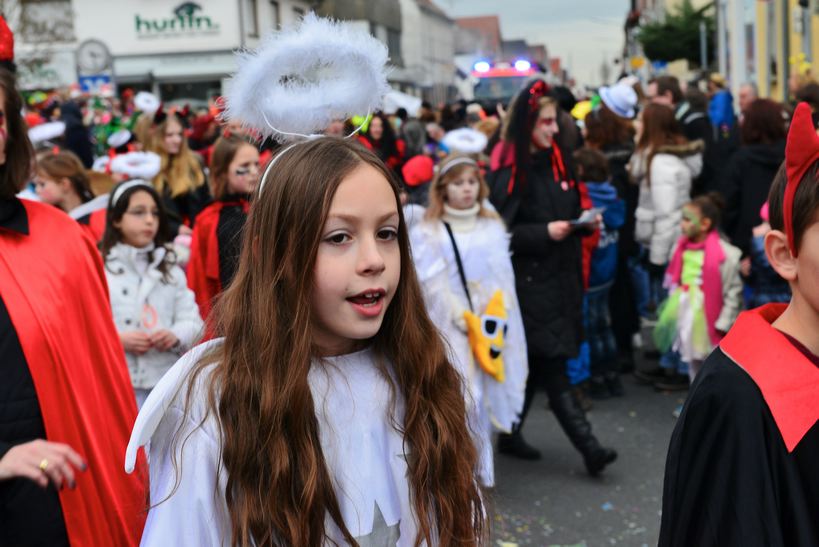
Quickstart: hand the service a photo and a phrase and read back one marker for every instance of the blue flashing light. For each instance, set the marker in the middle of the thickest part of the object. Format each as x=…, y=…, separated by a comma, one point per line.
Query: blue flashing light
x=482, y=66
x=522, y=65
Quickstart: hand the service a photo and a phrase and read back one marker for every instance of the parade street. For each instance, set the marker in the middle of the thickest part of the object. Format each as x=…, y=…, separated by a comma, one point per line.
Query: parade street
x=554, y=502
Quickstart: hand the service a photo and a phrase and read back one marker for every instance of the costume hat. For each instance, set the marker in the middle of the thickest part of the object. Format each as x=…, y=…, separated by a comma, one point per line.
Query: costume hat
x=801, y=152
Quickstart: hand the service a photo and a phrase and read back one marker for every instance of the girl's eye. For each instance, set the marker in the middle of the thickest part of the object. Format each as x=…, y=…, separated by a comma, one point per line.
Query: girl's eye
x=338, y=239
x=387, y=234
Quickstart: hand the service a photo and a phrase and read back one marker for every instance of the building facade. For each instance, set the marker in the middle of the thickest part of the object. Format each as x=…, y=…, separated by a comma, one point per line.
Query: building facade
x=428, y=47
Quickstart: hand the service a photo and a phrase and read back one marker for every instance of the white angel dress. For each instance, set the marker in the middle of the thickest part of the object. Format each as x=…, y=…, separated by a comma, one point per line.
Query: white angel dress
x=364, y=455
x=483, y=244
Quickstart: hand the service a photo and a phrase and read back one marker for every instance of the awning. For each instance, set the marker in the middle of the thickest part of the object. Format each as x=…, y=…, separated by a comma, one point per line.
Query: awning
x=192, y=66
x=396, y=99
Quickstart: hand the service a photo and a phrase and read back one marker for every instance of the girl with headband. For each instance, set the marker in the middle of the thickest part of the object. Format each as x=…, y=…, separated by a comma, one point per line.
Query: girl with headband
x=327, y=410
x=154, y=310
x=741, y=466
x=461, y=254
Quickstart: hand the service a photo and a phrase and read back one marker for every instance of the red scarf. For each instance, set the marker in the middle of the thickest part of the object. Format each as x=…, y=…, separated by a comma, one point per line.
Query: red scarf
x=711, y=276
x=503, y=155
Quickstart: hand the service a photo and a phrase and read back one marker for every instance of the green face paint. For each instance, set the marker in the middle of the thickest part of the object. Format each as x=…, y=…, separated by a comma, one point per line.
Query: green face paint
x=691, y=217
x=694, y=222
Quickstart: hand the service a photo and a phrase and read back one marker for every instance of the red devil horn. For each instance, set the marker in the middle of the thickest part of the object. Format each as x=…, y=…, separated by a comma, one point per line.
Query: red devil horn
x=801, y=152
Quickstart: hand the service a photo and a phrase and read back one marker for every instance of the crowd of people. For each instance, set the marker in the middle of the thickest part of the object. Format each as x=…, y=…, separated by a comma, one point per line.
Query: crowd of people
x=462, y=260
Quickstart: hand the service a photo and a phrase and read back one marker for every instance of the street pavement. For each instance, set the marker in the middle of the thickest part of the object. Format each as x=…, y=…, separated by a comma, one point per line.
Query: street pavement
x=553, y=502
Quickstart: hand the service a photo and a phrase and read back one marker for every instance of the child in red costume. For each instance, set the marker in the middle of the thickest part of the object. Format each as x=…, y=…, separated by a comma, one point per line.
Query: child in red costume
x=741, y=467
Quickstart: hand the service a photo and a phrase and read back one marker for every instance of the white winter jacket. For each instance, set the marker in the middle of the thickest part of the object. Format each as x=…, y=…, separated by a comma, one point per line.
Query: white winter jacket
x=141, y=300
x=659, y=209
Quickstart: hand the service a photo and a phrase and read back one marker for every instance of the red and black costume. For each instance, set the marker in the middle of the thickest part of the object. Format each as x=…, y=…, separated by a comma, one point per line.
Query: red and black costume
x=94, y=224
x=215, y=246
x=742, y=465
x=64, y=380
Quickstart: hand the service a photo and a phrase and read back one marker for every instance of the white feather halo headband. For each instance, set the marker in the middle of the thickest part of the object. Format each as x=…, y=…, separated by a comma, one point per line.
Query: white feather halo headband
x=465, y=141
x=147, y=102
x=301, y=79
x=140, y=165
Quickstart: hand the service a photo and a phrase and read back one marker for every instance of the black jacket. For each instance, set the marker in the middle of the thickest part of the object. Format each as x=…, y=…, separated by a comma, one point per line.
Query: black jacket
x=619, y=156
x=183, y=208
x=77, y=136
x=745, y=188
x=548, y=274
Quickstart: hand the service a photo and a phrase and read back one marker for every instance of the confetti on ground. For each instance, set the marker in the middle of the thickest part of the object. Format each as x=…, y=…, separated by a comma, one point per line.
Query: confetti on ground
x=607, y=506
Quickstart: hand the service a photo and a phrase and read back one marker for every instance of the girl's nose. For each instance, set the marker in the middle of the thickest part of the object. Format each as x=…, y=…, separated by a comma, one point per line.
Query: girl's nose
x=370, y=260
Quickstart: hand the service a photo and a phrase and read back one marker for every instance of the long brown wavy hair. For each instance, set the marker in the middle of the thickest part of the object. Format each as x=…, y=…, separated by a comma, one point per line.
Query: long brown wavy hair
x=279, y=490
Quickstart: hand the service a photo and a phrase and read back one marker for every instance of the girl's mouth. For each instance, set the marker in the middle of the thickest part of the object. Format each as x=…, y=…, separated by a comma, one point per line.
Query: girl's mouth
x=368, y=303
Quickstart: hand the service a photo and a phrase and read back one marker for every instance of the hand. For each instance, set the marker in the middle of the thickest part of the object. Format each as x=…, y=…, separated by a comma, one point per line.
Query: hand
x=42, y=461
x=184, y=230
x=559, y=229
x=163, y=340
x=135, y=341
x=745, y=266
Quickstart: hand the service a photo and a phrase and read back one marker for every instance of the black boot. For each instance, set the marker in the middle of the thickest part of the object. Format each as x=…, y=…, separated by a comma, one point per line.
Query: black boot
x=513, y=444
x=573, y=421
x=614, y=385
x=598, y=389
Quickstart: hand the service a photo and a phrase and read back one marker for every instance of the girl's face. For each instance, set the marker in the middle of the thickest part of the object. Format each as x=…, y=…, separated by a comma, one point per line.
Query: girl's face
x=172, y=139
x=358, y=262
x=693, y=226
x=545, y=129
x=49, y=190
x=462, y=192
x=376, y=128
x=243, y=171
x=140, y=222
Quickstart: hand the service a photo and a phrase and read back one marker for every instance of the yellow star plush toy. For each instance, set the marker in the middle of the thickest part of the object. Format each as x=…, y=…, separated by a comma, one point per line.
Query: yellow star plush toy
x=486, y=334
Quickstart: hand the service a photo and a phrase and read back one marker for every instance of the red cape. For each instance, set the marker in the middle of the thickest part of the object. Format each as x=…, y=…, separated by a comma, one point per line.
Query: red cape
x=94, y=224
x=203, y=264
x=789, y=382
x=53, y=284
x=204, y=278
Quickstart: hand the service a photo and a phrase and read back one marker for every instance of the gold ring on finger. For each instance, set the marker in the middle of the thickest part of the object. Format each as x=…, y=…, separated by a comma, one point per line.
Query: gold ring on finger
x=43, y=464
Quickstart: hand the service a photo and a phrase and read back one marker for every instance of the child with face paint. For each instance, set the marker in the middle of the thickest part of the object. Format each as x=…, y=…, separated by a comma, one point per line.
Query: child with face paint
x=705, y=290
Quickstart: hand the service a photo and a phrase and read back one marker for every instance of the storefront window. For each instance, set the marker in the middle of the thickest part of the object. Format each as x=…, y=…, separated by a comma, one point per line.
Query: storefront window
x=277, y=16
x=251, y=19
x=194, y=93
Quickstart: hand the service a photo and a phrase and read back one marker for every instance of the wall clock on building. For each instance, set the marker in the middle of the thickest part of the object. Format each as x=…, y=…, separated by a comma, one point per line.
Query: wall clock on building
x=93, y=57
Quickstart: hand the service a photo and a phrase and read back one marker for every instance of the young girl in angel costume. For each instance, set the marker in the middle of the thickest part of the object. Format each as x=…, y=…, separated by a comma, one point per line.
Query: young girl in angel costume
x=327, y=413
x=461, y=253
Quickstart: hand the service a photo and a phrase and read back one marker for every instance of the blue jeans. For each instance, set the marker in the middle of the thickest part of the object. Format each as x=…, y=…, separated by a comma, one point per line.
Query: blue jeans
x=640, y=283
x=674, y=361
x=602, y=345
x=577, y=368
